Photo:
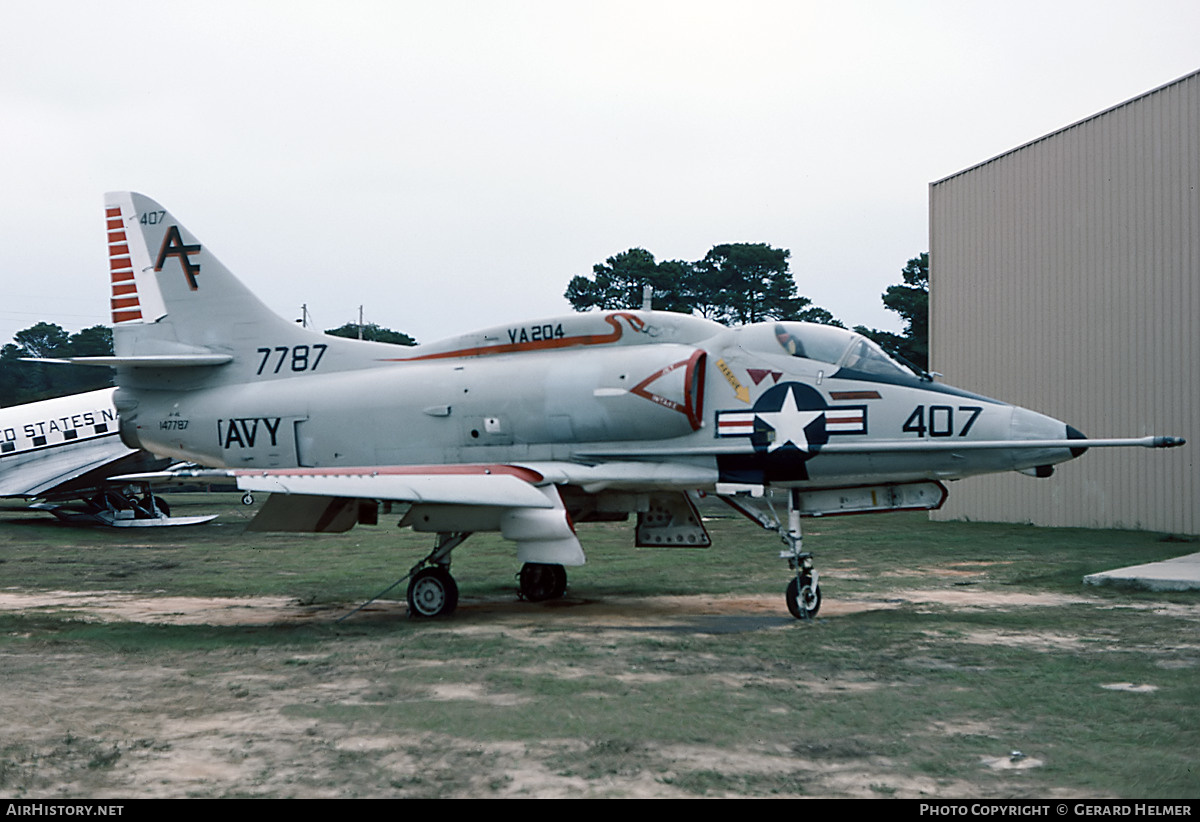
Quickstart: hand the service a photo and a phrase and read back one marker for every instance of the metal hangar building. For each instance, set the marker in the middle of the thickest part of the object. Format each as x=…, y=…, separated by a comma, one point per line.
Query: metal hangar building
x=1065, y=277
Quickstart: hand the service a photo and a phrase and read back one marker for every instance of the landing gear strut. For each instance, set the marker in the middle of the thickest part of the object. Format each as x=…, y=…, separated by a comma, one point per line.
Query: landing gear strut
x=150, y=506
x=432, y=592
x=540, y=582
x=803, y=593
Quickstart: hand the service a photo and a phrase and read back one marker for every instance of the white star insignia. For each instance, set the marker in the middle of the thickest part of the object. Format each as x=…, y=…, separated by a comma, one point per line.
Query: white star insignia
x=789, y=423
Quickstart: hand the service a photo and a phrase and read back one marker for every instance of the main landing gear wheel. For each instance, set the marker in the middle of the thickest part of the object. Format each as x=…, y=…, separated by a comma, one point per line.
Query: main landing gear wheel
x=156, y=505
x=803, y=601
x=432, y=592
x=540, y=582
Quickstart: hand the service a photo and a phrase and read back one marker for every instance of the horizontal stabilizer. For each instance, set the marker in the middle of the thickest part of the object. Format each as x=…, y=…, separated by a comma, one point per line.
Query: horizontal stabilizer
x=144, y=361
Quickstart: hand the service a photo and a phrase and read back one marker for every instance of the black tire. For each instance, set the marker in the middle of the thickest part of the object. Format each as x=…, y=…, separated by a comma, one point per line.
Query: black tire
x=432, y=592
x=144, y=509
x=811, y=603
x=540, y=582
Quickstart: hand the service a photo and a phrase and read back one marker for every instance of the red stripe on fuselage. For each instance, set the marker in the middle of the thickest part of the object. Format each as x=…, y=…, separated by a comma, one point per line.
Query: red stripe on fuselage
x=636, y=323
x=526, y=474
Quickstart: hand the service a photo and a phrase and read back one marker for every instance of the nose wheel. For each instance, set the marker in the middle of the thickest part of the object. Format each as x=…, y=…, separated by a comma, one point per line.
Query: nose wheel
x=803, y=593
x=803, y=597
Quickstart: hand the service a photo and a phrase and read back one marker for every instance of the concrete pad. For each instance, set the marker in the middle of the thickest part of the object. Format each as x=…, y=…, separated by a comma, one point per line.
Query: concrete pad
x=1179, y=574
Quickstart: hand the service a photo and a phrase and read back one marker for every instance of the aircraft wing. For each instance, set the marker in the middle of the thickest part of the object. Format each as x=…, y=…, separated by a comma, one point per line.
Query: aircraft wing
x=518, y=501
x=508, y=486
x=504, y=486
x=41, y=473
x=493, y=485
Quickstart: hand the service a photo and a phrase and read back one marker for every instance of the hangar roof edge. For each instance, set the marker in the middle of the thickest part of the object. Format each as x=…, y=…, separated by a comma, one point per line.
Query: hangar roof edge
x=1065, y=128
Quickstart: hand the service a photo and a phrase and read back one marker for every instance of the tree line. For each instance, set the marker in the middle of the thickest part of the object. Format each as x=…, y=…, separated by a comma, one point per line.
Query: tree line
x=740, y=283
x=734, y=284
x=22, y=382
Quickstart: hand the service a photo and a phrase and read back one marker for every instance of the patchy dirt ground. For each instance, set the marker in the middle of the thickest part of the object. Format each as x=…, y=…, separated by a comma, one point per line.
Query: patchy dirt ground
x=139, y=731
x=112, y=606
x=136, y=724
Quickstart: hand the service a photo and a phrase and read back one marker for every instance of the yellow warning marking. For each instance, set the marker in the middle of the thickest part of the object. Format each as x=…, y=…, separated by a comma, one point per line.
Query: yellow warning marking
x=742, y=392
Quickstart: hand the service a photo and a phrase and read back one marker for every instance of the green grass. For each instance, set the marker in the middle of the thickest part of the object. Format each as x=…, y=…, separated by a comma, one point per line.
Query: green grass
x=914, y=697
x=878, y=553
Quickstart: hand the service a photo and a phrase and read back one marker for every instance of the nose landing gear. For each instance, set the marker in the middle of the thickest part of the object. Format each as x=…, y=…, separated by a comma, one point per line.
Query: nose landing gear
x=803, y=593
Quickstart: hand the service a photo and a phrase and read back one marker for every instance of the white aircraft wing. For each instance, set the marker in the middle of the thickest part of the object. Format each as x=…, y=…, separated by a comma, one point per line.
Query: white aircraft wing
x=518, y=501
x=37, y=474
x=508, y=486
x=503, y=486
x=444, y=488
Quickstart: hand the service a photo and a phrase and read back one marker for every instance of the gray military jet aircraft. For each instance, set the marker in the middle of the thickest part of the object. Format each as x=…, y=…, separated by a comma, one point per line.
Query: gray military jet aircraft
x=529, y=428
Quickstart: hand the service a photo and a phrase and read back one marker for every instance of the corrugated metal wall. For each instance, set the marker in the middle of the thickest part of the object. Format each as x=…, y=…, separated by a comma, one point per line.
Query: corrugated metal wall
x=1065, y=277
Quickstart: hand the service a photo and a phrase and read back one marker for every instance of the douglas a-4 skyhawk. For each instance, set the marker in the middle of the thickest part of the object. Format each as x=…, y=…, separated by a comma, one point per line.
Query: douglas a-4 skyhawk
x=529, y=428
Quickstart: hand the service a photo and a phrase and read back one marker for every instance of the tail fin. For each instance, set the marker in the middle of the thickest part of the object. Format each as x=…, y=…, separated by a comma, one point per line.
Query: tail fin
x=172, y=298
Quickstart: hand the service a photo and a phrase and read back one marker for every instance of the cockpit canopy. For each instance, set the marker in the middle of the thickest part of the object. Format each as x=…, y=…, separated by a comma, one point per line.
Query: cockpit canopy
x=836, y=346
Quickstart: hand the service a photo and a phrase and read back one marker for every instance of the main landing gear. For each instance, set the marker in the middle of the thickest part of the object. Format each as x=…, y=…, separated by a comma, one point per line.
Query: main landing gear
x=432, y=592
x=540, y=582
x=128, y=506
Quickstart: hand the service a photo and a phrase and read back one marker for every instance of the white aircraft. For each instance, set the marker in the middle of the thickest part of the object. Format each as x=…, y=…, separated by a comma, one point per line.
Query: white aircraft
x=67, y=449
x=529, y=428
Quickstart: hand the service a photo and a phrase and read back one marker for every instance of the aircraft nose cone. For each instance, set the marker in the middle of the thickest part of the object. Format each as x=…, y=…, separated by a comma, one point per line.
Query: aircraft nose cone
x=1032, y=426
x=1074, y=433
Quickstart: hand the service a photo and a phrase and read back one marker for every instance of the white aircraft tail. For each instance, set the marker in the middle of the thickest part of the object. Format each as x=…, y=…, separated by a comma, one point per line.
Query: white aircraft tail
x=174, y=304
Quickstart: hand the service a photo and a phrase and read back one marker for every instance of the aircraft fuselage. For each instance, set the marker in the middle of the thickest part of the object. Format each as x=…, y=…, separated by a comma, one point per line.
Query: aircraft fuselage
x=666, y=387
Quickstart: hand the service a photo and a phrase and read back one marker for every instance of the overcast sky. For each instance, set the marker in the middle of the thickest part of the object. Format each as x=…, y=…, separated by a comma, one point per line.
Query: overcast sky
x=452, y=164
